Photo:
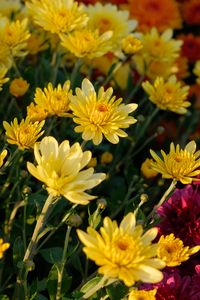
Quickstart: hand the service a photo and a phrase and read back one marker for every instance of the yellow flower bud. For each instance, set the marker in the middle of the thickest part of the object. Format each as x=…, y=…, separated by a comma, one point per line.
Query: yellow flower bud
x=146, y=169
x=18, y=87
x=92, y=163
x=106, y=158
x=131, y=45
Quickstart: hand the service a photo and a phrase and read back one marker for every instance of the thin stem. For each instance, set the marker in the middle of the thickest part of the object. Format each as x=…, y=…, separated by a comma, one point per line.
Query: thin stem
x=166, y=194
x=134, y=90
x=62, y=266
x=75, y=71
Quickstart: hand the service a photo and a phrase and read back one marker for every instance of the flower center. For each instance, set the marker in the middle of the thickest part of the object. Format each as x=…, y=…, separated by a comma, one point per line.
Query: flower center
x=102, y=107
x=104, y=25
x=153, y=6
x=122, y=245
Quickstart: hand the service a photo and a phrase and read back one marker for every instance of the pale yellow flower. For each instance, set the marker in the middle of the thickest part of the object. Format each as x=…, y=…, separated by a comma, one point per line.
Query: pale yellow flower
x=179, y=164
x=108, y=17
x=57, y=16
x=87, y=43
x=100, y=114
x=3, y=247
x=18, y=87
x=14, y=35
x=123, y=252
x=60, y=168
x=196, y=71
x=142, y=295
x=3, y=154
x=36, y=112
x=54, y=100
x=23, y=134
x=3, y=79
x=158, y=55
x=168, y=95
x=172, y=250
x=147, y=170
x=131, y=45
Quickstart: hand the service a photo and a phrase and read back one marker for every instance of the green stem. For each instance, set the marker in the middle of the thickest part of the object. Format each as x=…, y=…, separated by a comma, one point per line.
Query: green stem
x=134, y=90
x=166, y=194
x=101, y=284
x=75, y=72
x=62, y=266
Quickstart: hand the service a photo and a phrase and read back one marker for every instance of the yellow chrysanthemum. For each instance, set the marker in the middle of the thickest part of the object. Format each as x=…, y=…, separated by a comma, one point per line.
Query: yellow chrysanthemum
x=87, y=43
x=18, y=87
x=36, y=43
x=57, y=16
x=5, y=58
x=172, y=251
x=36, y=112
x=3, y=154
x=8, y=7
x=196, y=71
x=168, y=95
x=3, y=79
x=3, y=247
x=54, y=100
x=131, y=45
x=179, y=164
x=142, y=295
x=23, y=134
x=15, y=35
x=60, y=168
x=109, y=18
x=100, y=114
x=158, y=55
x=147, y=170
x=123, y=252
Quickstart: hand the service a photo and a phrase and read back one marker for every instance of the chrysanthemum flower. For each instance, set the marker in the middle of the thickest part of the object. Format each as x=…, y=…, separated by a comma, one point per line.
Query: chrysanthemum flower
x=142, y=295
x=172, y=251
x=191, y=12
x=123, y=252
x=15, y=35
x=131, y=45
x=23, y=134
x=57, y=16
x=3, y=247
x=168, y=95
x=161, y=14
x=190, y=47
x=36, y=43
x=54, y=100
x=3, y=154
x=60, y=168
x=100, y=114
x=109, y=18
x=3, y=79
x=196, y=71
x=18, y=87
x=8, y=7
x=36, y=112
x=87, y=43
x=147, y=170
x=158, y=55
x=179, y=164
x=5, y=58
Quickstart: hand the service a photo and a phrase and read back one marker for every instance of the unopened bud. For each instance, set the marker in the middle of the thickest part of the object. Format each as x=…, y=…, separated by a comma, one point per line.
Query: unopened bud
x=75, y=220
x=144, y=198
x=102, y=203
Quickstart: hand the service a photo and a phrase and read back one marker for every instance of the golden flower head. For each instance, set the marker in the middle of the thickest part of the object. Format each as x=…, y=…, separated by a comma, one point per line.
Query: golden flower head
x=179, y=164
x=60, y=168
x=3, y=154
x=108, y=17
x=23, y=134
x=142, y=295
x=131, y=45
x=196, y=71
x=87, y=43
x=123, y=252
x=5, y=58
x=3, y=247
x=18, y=87
x=172, y=251
x=54, y=100
x=15, y=35
x=168, y=95
x=3, y=79
x=36, y=112
x=158, y=55
x=147, y=170
x=106, y=158
x=57, y=16
x=100, y=114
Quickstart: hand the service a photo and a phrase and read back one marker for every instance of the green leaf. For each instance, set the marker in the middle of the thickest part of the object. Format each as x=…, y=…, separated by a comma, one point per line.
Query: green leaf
x=52, y=255
x=116, y=291
x=90, y=284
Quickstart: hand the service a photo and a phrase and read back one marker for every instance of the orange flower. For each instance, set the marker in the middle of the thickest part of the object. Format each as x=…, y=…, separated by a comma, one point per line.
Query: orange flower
x=191, y=12
x=162, y=14
x=190, y=47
